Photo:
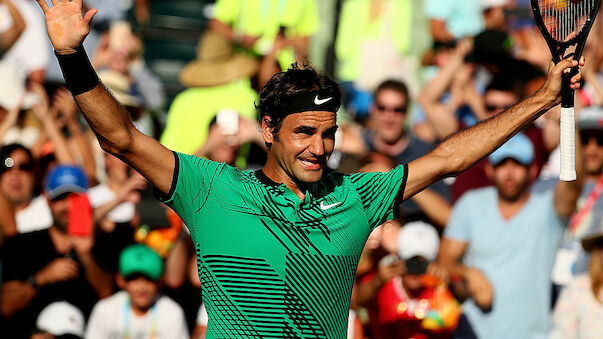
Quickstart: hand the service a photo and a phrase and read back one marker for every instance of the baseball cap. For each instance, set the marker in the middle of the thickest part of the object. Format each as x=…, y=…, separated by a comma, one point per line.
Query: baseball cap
x=61, y=318
x=65, y=179
x=418, y=238
x=518, y=148
x=591, y=118
x=142, y=260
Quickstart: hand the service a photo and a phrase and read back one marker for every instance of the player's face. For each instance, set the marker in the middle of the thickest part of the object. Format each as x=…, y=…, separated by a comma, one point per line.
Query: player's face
x=17, y=182
x=142, y=292
x=304, y=144
x=592, y=147
x=389, y=115
x=511, y=179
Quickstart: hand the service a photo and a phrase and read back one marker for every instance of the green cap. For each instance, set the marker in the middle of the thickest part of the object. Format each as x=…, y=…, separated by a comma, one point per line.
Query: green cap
x=140, y=259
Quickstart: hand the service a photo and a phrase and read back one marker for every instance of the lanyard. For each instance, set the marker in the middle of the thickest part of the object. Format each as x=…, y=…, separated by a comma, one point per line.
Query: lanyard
x=590, y=203
x=154, y=320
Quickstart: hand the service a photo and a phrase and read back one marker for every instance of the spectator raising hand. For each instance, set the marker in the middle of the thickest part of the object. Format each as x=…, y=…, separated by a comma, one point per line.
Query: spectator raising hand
x=10, y=36
x=43, y=112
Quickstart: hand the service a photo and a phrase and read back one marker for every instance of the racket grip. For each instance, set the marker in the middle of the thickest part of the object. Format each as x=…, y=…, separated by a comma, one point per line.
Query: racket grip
x=567, y=145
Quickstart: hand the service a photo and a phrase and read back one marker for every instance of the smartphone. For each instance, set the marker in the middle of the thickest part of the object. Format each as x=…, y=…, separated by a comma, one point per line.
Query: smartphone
x=228, y=121
x=80, y=215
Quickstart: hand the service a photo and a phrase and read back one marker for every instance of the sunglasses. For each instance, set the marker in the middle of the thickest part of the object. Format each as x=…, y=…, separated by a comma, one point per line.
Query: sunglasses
x=585, y=138
x=9, y=164
x=383, y=108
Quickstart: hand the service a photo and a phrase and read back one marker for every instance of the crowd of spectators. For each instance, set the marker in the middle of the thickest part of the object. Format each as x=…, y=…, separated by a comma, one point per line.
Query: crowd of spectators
x=504, y=250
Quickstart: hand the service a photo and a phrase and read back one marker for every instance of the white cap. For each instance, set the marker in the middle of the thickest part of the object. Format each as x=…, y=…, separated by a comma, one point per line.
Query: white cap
x=418, y=238
x=493, y=3
x=61, y=318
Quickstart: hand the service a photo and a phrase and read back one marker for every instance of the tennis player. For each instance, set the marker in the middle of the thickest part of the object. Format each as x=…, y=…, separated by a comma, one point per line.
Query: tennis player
x=277, y=248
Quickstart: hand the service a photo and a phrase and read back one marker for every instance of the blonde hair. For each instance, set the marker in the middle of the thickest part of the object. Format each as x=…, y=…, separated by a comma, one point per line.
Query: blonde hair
x=596, y=272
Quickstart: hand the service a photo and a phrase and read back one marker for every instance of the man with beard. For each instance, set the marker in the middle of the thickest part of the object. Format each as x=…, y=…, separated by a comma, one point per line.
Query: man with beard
x=50, y=265
x=501, y=241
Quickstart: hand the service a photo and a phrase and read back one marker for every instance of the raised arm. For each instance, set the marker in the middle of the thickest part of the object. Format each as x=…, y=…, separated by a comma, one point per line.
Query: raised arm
x=67, y=29
x=465, y=148
x=10, y=36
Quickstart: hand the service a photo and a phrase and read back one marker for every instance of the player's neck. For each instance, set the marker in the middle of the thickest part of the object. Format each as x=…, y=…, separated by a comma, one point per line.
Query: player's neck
x=276, y=173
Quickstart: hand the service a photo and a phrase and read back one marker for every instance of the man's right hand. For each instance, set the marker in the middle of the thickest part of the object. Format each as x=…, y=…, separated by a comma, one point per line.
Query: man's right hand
x=66, y=26
x=480, y=288
x=61, y=269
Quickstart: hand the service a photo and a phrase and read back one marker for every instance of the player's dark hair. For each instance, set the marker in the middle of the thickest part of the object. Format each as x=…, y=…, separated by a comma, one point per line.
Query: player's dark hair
x=282, y=86
x=393, y=85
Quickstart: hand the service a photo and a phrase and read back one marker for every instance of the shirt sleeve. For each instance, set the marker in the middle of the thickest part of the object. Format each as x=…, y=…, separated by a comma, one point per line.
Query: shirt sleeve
x=192, y=183
x=459, y=227
x=381, y=193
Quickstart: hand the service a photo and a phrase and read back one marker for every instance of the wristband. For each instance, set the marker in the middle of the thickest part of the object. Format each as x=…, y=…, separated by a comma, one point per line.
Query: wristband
x=80, y=76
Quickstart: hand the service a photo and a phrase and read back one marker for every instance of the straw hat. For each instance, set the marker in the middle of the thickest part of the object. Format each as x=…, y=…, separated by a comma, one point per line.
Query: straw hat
x=216, y=64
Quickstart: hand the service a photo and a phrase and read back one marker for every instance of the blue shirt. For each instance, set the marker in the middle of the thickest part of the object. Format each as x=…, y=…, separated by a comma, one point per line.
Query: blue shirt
x=463, y=18
x=515, y=255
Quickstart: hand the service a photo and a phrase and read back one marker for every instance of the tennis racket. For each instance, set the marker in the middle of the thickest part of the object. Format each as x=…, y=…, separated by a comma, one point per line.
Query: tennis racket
x=565, y=25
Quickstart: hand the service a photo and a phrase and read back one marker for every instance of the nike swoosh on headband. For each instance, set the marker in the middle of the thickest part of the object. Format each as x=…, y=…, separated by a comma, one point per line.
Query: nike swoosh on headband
x=319, y=101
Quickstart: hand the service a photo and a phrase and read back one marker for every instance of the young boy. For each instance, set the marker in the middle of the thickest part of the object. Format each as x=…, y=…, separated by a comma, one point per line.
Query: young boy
x=138, y=311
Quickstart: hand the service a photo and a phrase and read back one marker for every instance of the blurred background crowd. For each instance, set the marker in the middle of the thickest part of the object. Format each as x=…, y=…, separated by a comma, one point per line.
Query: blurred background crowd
x=497, y=252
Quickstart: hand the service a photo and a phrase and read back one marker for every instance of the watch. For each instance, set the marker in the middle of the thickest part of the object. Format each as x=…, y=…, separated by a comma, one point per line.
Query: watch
x=32, y=280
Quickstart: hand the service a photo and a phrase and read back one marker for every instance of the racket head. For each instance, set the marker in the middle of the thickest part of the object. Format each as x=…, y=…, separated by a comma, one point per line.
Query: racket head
x=565, y=23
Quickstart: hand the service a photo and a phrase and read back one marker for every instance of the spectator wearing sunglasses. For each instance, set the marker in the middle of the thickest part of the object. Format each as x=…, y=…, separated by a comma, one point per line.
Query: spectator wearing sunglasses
x=572, y=259
x=17, y=180
x=388, y=134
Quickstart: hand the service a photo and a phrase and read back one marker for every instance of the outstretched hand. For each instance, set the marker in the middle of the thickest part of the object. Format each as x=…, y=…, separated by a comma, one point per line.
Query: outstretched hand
x=66, y=25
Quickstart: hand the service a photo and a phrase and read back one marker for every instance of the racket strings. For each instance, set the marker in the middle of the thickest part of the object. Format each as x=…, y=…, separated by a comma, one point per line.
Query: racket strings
x=564, y=19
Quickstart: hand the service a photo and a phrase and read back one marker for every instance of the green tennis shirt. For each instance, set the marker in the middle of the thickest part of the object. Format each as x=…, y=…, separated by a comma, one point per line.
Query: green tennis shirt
x=271, y=265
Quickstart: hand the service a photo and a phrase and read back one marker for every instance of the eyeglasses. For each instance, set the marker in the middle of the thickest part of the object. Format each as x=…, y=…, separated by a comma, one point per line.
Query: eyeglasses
x=9, y=163
x=398, y=109
x=585, y=138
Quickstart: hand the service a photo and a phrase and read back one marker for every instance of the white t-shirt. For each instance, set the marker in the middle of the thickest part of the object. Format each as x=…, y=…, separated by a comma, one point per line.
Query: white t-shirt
x=102, y=194
x=112, y=316
x=29, y=53
x=35, y=217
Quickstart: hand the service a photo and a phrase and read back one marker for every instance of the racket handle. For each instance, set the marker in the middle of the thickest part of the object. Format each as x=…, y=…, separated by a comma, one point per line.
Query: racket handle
x=567, y=145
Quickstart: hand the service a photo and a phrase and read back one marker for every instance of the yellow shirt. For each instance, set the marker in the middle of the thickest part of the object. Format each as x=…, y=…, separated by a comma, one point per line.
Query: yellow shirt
x=192, y=111
x=356, y=27
x=264, y=18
